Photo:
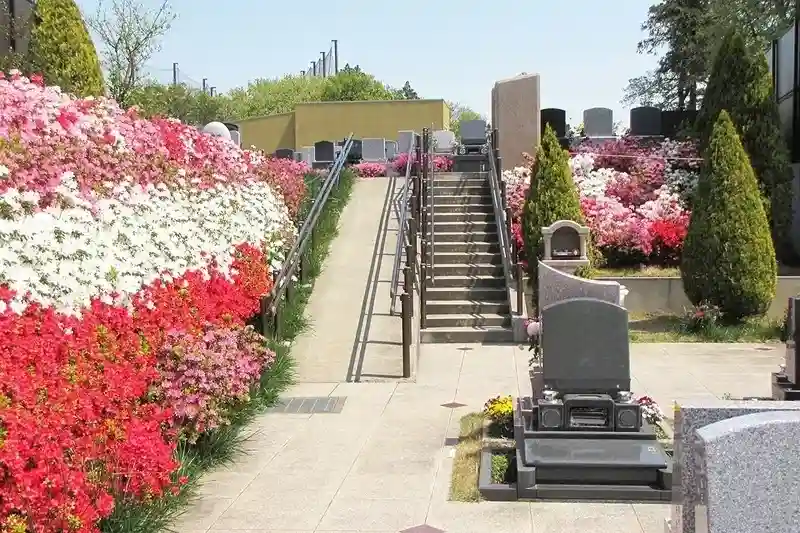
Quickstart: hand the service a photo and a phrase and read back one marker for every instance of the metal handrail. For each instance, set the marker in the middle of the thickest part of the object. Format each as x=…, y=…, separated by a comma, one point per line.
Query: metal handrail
x=270, y=302
x=402, y=237
x=430, y=215
x=501, y=217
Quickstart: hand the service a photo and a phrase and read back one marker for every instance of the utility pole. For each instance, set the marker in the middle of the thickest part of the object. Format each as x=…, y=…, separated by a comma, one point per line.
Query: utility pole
x=335, y=56
x=324, y=65
x=174, y=74
x=205, y=84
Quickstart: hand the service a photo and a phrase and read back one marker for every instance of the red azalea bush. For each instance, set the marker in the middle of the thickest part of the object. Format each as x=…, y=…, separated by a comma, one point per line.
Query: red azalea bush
x=367, y=169
x=76, y=426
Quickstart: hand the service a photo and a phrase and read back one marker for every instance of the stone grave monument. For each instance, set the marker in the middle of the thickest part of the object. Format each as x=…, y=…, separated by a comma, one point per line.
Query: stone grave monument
x=391, y=149
x=586, y=439
x=598, y=123
x=444, y=141
x=324, y=154
x=236, y=137
x=747, y=474
x=217, y=129
x=689, y=417
x=307, y=155
x=284, y=153
x=645, y=121
x=565, y=245
x=373, y=150
x=556, y=119
x=472, y=154
x=515, y=114
x=405, y=140
x=785, y=382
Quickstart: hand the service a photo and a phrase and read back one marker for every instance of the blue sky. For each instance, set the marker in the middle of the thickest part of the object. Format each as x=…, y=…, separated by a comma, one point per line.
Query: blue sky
x=584, y=50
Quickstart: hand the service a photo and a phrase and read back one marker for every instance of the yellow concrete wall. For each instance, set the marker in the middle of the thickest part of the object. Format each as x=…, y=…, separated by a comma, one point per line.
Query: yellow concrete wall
x=318, y=121
x=268, y=133
x=335, y=120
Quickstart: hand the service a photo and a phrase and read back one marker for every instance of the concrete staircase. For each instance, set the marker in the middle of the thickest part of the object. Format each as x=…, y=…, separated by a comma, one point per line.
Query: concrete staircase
x=467, y=301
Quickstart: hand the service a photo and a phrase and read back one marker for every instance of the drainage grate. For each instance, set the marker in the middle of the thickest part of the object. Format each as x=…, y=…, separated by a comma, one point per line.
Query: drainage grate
x=451, y=441
x=311, y=406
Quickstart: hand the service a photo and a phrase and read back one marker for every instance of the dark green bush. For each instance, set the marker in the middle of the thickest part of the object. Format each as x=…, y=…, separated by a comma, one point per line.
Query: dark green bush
x=741, y=84
x=551, y=197
x=61, y=50
x=728, y=258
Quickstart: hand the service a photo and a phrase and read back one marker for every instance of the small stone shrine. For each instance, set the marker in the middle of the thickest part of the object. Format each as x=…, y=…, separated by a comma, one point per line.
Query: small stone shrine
x=565, y=245
x=586, y=438
x=785, y=384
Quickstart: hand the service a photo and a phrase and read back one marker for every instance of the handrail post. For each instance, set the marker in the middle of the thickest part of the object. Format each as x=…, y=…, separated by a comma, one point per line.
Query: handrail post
x=423, y=296
x=405, y=302
x=408, y=283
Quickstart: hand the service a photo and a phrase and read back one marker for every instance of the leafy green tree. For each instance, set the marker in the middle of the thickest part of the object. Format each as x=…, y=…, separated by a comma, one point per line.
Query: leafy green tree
x=408, y=93
x=271, y=96
x=741, y=84
x=62, y=51
x=191, y=106
x=459, y=114
x=728, y=258
x=354, y=85
x=552, y=195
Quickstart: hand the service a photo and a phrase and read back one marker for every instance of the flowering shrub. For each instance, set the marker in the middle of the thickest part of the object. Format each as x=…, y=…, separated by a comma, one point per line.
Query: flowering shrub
x=121, y=240
x=701, y=317
x=204, y=376
x=634, y=195
x=441, y=163
x=367, y=169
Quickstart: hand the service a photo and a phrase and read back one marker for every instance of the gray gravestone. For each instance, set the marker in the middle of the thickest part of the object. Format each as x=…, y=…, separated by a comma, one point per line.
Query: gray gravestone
x=748, y=475
x=688, y=419
x=405, y=139
x=373, y=149
x=298, y=157
x=595, y=361
x=598, y=122
x=473, y=132
x=324, y=152
x=284, y=153
x=307, y=154
x=645, y=121
x=444, y=140
x=236, y=138
x=391, y=149
x=791, y=360
x=556, y=286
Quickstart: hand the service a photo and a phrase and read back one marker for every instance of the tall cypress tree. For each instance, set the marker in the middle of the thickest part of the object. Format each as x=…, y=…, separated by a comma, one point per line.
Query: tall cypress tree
x=741, y=84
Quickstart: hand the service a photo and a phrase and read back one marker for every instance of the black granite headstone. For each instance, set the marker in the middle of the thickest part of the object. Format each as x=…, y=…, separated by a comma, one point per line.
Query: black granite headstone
x=792, y=360
x=597, y=360
x=673, y=121
x=284, y=153
x=324, y=151
x=473, y=132
x=557, y=118
x=645, y=121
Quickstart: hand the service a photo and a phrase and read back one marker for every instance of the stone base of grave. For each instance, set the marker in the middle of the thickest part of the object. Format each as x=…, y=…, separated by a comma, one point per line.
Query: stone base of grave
x=470, y=163
x=783, y=389
x=585, y=465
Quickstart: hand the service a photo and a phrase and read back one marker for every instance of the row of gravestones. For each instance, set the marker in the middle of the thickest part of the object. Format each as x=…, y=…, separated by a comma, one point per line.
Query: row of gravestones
x=598, y=122
x=372, y=149
x=736, y=463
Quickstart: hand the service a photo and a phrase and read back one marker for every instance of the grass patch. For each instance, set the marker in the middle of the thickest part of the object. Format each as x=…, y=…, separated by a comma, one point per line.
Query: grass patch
x=504, y=470
x=464, y=483
x=638, y=272
x=671, y=328
x=221, y=447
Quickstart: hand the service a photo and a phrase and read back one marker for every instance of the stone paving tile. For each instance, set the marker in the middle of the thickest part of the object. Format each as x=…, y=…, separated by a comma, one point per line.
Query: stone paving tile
x=482, y=517
x=584, y=517
x=202, y=514
x=295, y=509
x=364, y=514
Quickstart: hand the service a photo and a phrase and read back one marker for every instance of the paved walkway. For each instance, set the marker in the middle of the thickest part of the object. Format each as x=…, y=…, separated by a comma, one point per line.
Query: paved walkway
x=382, y=464
x=352, y=336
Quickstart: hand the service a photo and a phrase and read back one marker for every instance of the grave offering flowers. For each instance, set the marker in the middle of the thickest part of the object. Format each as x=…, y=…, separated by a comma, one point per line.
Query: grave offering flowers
x=132, y=252
x=634, y=196
x=651, y=412
x=441, y=163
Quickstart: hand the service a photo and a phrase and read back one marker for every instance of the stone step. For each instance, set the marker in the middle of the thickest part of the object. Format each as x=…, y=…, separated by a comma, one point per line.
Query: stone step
x=469, y=334
x=469, y=247
x=467, y=320
x=465, y=236
x=466, y=269
x=440, y=209
x=458, y=190
x=462, y=199
x=478, y=258
x=466, y=227
x=460, y=176
x=465, y=307
x=469, y=281
x=460, y=216
x=481, y=294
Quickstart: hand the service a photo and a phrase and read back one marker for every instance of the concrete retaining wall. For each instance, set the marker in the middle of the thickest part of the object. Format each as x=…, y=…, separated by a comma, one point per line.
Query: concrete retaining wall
x=666, y=296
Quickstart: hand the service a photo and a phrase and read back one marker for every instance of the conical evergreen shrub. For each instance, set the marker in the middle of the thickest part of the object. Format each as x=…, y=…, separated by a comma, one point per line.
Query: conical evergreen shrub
x=552, y=195
x=61, y=50
x=741, y=84
x=728, y=258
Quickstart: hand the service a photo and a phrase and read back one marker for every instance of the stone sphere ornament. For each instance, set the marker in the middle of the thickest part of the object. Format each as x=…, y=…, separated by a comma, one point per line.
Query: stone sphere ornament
x=217, y=129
